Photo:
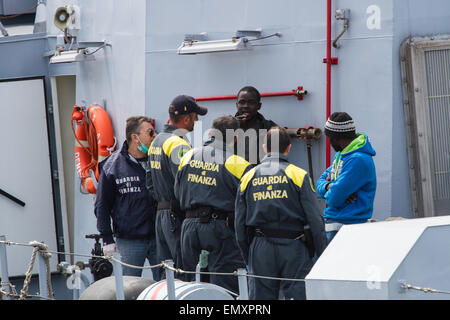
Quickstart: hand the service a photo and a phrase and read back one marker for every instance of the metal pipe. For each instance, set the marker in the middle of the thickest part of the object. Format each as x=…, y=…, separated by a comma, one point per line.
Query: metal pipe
x=328, y=86
x=242, y=281
x=328, y=89
x=3, y=30
x=299, y=93
x=345, y=27
x=197, y=275
x=43, y=289
x=308, y=147
x=11, y=197
x=118, y=274
x=79, y=276
x=4, y=268
x=307, y=133
x=170, y=281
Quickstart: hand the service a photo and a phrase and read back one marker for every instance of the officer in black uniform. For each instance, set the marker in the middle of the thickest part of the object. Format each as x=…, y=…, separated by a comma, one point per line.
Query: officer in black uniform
x=278, y=223
x=165, y=154
x=206, y=186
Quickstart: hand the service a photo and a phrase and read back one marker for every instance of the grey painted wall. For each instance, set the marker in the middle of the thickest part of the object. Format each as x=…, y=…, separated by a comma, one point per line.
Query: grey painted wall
x=279, y=64
x=141, y=72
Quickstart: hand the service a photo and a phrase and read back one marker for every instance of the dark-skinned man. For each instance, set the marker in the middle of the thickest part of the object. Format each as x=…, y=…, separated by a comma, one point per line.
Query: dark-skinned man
x=253, y=124
x=275, y=203
x=165, y=154
x=206, y=185
x=349, y=184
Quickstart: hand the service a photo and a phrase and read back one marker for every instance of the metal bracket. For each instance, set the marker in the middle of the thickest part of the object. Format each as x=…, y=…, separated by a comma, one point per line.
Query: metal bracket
x=249, y=33
x=3, y=30
x=341, y=14
x=331, y=60
x=203, y=36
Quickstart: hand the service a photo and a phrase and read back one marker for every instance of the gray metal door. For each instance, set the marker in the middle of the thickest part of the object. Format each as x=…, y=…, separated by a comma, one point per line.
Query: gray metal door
x=25, y=171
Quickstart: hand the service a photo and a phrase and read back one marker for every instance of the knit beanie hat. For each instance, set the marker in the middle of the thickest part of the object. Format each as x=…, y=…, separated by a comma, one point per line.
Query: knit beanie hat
x=340, y=125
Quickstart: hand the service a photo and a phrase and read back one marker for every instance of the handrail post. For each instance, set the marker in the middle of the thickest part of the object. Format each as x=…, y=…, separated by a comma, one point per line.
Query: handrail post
x=170, y=280
x=197, y=273
x=4, y=268
x=118, y=274
x=43, y=289
x=242, y=280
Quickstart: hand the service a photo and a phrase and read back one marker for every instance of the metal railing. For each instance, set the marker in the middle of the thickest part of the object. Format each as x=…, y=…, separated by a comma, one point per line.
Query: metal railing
x=8, y=291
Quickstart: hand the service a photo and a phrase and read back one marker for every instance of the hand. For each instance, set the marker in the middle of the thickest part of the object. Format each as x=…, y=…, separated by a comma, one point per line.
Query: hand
x=242, y=117
x=110, y=249
x=328, y=178
x=328, y=186
x=351, y=198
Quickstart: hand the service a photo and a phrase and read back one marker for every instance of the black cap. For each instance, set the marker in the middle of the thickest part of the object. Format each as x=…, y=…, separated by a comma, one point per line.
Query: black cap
x=183, y=104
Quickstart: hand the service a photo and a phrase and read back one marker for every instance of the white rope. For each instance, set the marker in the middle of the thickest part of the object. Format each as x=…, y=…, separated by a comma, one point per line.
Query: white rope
x=427, y=290
x=162, y=264
x=130, y=265
x=42, y=249
x=27, y=280
x=177, y=270
x=12, y=290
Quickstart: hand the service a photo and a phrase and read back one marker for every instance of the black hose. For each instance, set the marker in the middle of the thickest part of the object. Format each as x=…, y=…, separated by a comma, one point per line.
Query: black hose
x=308, y=146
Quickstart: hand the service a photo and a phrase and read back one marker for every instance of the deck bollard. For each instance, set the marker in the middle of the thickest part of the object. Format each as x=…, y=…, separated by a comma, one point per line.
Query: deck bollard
x=170, y=280
x=4, y=268
x=118, y=274
x=242, y=280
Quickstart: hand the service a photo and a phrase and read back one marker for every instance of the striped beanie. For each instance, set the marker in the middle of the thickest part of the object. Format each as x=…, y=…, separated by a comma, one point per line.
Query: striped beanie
x=341, y=124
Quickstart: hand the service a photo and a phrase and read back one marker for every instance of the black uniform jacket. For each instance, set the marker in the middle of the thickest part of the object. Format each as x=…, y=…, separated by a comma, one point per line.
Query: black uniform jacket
x=164, y=157
x=209, y=176
x=277, y=195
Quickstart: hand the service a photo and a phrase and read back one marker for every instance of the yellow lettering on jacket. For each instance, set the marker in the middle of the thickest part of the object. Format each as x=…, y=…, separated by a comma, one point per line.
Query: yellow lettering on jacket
x=204, y=165
x=269, y=180
x=269, y=195
x=155, y=165
x=157, y=151
x=195, y=178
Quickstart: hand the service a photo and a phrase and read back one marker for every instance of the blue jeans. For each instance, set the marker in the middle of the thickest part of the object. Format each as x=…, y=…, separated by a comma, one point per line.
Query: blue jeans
x=330, y=235
x=135, y=252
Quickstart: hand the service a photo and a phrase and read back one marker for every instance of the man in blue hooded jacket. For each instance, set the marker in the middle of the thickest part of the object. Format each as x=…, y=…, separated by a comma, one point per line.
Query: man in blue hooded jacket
x=349, y=184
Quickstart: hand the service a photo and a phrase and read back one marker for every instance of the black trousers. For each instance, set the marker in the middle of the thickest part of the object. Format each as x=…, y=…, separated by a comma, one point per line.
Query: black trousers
x=217, y=238
x=279, y=258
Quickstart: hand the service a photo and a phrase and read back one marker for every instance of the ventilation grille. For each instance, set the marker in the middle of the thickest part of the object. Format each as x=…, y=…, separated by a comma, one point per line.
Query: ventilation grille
x=437, y=69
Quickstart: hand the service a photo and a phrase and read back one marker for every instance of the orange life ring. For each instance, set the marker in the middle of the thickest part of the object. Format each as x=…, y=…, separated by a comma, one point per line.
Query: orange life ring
x=95, y=141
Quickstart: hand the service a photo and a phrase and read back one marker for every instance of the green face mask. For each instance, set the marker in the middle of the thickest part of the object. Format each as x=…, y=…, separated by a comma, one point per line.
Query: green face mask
x=143, y=148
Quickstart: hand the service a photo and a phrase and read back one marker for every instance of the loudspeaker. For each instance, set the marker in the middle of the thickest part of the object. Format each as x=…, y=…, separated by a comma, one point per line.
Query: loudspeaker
x=67, y=17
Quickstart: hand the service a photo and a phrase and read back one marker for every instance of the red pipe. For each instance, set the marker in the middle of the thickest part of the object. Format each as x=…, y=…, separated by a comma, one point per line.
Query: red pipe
x=328, y=62
x=228, y=97
x=299, y=93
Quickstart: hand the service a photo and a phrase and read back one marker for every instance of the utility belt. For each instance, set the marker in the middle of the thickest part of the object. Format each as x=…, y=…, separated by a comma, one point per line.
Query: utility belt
x=304, y=236
x=278, y=233
x=173, y=206
x=206, y=213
